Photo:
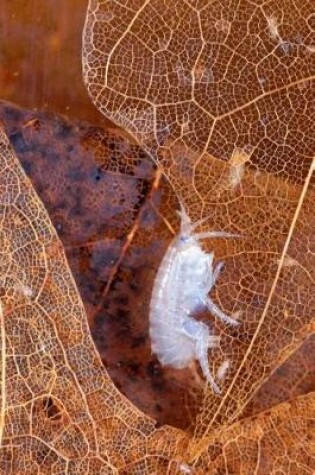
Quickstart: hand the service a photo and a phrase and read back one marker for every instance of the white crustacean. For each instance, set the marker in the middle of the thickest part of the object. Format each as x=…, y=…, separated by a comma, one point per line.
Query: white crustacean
x=181, y=287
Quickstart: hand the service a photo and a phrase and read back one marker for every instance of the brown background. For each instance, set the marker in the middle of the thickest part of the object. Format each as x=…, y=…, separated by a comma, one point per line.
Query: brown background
x=40, y=57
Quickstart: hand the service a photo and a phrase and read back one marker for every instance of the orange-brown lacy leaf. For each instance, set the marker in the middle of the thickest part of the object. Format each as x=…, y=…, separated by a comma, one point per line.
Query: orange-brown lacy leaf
x=281, y=440
x=285, y=317
x=222, y=96
x=294, y=378
x=277, y=441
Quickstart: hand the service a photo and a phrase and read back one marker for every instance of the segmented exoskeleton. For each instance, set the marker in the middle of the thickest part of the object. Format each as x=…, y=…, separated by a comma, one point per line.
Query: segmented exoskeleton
x=181, y=287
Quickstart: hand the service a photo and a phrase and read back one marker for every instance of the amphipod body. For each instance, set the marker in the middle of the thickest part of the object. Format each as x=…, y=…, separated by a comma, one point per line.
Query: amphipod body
x=181, y=287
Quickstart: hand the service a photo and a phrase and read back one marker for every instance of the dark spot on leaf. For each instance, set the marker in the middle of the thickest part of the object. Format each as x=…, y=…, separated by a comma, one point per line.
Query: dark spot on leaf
x=122, y=300
x=154, y=369
x=139, y=341
x=123, y=315
x=63, y=130
x=133, y=368
x=28, y=167
x=18, y=142
x=51, y=409
x=96, y=174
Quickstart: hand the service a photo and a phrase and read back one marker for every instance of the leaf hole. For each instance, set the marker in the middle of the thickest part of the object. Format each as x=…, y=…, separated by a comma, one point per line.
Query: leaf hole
x=51, y=409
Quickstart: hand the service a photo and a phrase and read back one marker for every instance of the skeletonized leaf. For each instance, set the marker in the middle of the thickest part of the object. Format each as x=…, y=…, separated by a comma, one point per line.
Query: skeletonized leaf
x=277, y=441
x=221, y=95
x=294, y=378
